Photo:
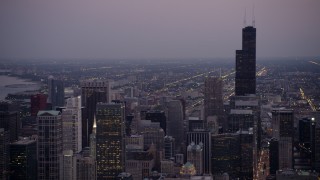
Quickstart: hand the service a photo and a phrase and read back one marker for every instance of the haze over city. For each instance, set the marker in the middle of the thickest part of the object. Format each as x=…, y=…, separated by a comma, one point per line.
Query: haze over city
x=155, y=29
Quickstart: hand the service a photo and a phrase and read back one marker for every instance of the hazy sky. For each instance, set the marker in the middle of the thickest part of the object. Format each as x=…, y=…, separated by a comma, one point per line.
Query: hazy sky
x=64, y=29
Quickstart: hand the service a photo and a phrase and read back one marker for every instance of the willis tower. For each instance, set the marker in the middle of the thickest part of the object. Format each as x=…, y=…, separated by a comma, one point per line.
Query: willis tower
x=246, y=63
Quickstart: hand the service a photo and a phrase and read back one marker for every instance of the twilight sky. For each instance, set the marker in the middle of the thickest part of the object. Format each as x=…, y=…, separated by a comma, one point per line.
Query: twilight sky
x=105, y=29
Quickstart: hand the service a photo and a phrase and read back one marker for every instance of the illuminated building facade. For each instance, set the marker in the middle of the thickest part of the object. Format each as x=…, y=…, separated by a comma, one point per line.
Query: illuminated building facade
x=110, y=140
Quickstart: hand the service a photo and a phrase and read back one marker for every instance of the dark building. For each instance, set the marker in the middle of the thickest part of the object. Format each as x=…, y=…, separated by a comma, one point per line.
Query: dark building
x=55, y=92
x=195, y=125
x=246, y=63
x=283, y=130
x=273, y=156
x=213, y=102
x=169, y=150
x=23, y=160
x=110, y=140
x=226, y=154
x=158, y=116
x=4, y=154
x=9, y=119
x=92, y=92
x=38, y=102
x=247, y=149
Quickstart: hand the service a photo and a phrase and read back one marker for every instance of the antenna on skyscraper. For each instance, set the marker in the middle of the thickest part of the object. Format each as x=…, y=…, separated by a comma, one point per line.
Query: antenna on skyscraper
x=253, y=18
x=245, y=17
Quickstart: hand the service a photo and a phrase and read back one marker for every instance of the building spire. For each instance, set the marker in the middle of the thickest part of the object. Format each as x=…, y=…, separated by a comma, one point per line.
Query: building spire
x=253, y=18
x=245, y=18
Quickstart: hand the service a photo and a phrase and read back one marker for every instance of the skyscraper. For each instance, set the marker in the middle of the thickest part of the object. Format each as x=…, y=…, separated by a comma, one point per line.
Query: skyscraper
x=213, y=103
x=283, y=130
x=175, y=122
x=38, y=102
x=110, y=140
x=92, y=92
x=55, y=92
x=71, y=122
x=4, y=153
x=246, y=63
x=9, y=119
x=23, y=159
x=49, y=144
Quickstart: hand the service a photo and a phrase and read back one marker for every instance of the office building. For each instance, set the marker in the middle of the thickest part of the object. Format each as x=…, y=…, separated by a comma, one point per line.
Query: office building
x=85, y=165
x=283, y=130
x=134, y=143
x=195, y=156
x=169, y=149
x=9, y=119
x=55, y=92
x=110, y=140
x=245, y=77
x=157, y=116
x=4, y=153
x=175, y=123
x=274, y=156
x=226, y=155
x=23, y=159
x=38, y=103
x=49, y=144
x=139, y=164
x=202, y=137
x=92, y=92
x=71, y=122
x=213, y=102
x=240, y=119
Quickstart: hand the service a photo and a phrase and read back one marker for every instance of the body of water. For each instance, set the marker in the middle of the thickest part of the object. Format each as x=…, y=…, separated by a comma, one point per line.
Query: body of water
x=13, y=85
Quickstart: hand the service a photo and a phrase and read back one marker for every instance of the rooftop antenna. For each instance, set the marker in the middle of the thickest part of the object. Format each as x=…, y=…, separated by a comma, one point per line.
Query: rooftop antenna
x=245, y=17
x=253, y=18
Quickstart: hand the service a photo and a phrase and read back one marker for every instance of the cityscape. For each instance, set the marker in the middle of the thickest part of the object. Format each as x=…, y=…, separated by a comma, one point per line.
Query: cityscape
x=219, y=118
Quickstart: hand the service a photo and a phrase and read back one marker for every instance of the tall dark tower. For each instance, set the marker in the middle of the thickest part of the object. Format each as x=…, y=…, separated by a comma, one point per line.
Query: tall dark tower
x=246, y=63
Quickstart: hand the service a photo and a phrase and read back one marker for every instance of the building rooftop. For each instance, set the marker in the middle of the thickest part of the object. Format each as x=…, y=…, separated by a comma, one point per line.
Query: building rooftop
x=50, y=113
x=240, y=111
x=24, y=142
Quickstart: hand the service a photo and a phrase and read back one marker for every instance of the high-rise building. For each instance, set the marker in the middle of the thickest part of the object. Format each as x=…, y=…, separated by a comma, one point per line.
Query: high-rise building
x=9, y=119
x=110, y=140
x=38, y=103
x=139, y=164
x=4, y=154
x=175, y=123
x=85, y=165
x=71, y=122
x=169, y=147
x=240, y=119
x=49, y=144
x=92, y=92
x=246, y=63
x=226, y=154
x=195, y=156
x=283, y=130
x=55, y=92
x=213, y=102
x=157, y=116
x=274, y=156
x=23, y=159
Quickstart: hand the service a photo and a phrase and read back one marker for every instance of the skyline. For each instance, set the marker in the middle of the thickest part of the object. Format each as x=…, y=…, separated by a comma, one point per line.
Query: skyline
x=163, y=29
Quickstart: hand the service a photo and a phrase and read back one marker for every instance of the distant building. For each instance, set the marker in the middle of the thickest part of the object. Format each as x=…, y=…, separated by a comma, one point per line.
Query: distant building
x=213, y=102
x=23, y=159
x=68, y=165
x=240, y=119
x=245, y=80
x=195, y=156
x=283, y=130
x=202, y=137
x=9, y=119
x=139, y=164
x=55, y=92
x=175, y=123
x=92, y=92
x=158, y=116
x=273, y=156
x=290, y=174
x=71, y=122
x=85, y=165
x=38, y=103
x=4, y=153
x=169, y=148
x=49, y=144
x=124, y=176
x=110, y=140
